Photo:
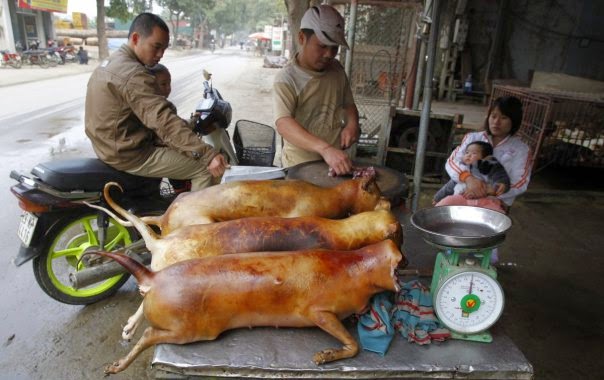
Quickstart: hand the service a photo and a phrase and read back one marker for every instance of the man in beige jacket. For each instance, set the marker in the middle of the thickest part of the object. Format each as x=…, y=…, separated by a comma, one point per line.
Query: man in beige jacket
x=124, y=113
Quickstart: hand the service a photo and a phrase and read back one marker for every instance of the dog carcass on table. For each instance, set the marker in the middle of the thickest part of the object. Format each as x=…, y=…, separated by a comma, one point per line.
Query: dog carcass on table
x=285, y=352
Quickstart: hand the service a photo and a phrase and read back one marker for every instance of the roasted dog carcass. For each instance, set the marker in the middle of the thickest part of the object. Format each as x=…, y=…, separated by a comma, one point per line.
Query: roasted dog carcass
x=284, y=198
x=256, y=234
x=198, y=299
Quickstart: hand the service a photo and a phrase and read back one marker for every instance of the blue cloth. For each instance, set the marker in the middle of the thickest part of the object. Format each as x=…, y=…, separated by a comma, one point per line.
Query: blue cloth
x=411, y=314
x=375, y=327
x=414, y=315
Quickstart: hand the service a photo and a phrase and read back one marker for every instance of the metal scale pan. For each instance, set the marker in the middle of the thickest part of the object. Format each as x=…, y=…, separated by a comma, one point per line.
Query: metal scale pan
x=462, y=226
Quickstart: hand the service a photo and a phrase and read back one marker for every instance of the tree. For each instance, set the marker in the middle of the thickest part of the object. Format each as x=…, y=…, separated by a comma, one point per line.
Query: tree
x=197, y=12
x=121, y=9
x=231, y=16
x=127, y=9
x=295, y=11
x=176, y=9
x=100, y=29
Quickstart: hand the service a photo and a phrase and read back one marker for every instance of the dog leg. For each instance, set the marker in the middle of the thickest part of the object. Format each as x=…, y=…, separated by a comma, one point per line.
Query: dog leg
x=330, y=323
x=151, y=336
x=133, y=323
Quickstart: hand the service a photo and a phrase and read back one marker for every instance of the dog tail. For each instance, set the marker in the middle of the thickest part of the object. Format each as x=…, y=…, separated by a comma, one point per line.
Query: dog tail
x=149, y=236
x=143, y=275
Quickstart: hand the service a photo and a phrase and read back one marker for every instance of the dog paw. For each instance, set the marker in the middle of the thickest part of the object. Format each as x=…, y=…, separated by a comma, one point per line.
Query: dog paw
x=129, y=330
x=127, y=334
x=113, y=368
x=323, y=356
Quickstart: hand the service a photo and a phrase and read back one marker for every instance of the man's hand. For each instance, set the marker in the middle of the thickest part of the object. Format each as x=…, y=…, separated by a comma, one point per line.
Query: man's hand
x=218, y=165
x=475, y=188
x=350, y=135
x=337, y=159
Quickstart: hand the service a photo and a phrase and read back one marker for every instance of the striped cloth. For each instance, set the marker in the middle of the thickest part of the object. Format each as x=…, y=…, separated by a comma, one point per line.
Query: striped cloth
x=414, y=317
x=409, y=312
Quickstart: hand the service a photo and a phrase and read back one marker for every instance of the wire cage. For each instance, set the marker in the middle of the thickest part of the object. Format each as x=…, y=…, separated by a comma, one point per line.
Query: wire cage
x=384, y=34
x=255, y=143
x=561, y=128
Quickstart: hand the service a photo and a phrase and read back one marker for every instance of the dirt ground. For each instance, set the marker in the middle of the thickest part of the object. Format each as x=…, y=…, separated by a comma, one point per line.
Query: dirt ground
x=551, y=266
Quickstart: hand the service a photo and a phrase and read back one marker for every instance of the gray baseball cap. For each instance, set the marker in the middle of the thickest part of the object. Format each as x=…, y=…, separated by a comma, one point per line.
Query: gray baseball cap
x=327, y=24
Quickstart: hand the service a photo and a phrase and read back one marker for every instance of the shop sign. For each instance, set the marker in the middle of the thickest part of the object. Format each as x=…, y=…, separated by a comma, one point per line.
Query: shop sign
x=44, y=5
x=277, y=39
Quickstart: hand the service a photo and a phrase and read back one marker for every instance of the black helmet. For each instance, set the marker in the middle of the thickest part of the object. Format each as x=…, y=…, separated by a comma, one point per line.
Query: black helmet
x=213, y=113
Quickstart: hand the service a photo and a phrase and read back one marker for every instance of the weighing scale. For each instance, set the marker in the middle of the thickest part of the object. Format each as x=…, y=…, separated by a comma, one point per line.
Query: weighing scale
x=466, y=295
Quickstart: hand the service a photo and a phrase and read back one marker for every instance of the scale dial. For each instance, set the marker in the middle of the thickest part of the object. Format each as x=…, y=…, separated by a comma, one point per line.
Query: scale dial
x=469, y=302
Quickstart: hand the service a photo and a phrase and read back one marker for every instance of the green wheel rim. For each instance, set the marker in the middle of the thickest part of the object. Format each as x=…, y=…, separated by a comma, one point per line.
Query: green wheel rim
x=71, y=251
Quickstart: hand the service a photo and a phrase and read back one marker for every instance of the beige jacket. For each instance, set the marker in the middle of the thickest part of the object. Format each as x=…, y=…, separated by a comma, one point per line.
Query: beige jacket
x=123, y=114
x=316, y=100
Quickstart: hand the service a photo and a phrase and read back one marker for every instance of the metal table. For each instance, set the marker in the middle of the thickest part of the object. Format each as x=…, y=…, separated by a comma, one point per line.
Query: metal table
x=287, y=353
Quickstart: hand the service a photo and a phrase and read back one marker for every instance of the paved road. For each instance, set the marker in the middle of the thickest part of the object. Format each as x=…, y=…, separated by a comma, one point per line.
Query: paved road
x=41, y=120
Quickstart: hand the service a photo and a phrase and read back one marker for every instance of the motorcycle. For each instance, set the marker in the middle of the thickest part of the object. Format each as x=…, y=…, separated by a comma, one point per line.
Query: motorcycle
x=67, y=53
x=11, y=59
x=53, y=56
x=57, y=228
x=41, y=57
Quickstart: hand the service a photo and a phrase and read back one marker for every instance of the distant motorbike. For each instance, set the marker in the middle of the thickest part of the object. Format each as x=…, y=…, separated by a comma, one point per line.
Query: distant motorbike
x=68, y=53
x=11, y=59
x=53, y=56
x=40, y=57
x=57, y=228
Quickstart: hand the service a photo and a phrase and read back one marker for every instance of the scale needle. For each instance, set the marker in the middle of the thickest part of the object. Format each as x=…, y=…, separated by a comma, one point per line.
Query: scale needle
x=471, y=283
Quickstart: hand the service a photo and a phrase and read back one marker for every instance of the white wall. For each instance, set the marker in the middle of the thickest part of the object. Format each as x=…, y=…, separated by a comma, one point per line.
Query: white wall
x=7, y=39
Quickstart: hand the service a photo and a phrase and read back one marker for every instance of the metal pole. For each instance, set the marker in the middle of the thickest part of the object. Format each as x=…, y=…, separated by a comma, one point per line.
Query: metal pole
x=494, y=47
x=425, y=117
x=421, y=63
x=352, y=23
x=421, y=60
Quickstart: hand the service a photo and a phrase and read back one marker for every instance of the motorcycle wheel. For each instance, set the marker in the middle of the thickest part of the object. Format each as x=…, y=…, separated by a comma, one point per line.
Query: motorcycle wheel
x=42, y=61
x=16, y=64
x=52, y=61
x=62, y=251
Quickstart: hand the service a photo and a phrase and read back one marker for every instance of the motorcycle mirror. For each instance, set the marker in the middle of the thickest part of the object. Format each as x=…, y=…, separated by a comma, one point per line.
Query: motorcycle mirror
x=207, y=75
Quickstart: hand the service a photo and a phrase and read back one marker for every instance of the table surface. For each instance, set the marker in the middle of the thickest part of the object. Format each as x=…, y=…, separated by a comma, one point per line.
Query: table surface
x=287, y=353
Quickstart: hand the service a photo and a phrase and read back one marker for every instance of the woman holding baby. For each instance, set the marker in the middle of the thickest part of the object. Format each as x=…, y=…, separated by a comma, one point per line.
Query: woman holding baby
x=502, y=123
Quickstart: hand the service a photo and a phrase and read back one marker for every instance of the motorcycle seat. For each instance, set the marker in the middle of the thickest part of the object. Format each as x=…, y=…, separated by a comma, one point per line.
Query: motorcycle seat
x=88, y=174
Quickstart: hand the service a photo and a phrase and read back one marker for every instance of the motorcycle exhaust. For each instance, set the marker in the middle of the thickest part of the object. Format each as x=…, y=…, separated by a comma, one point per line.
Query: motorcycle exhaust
x=102, y=272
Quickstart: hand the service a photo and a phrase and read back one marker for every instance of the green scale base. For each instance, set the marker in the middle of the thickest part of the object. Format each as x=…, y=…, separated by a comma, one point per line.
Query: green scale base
x=448, y=264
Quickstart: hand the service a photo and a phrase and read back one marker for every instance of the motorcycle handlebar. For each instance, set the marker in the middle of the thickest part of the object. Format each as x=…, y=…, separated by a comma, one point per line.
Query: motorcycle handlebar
x=15, y=175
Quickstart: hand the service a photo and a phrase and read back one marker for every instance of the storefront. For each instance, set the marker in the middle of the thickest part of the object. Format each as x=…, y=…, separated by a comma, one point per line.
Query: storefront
x=23, y=23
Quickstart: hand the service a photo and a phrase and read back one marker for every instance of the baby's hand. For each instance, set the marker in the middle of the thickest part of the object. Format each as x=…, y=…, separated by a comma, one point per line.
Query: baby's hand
x=500, y=188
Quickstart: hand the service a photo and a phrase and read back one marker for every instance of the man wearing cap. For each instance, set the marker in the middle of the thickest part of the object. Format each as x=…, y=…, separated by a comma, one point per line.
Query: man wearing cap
x=313, y=105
